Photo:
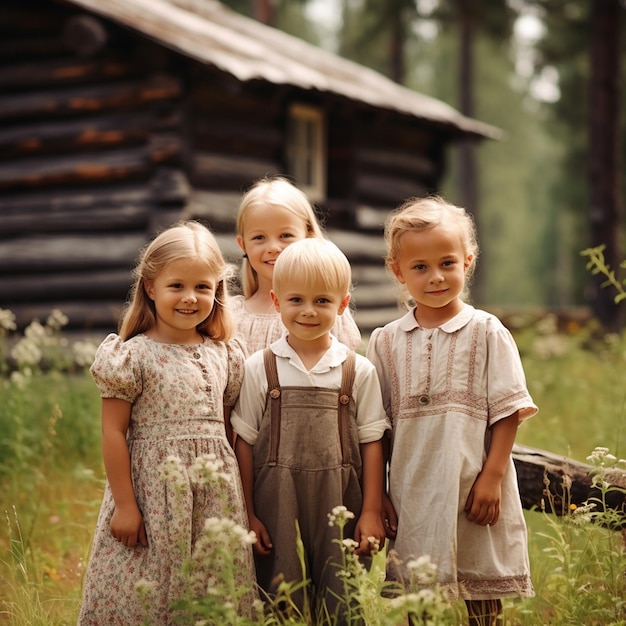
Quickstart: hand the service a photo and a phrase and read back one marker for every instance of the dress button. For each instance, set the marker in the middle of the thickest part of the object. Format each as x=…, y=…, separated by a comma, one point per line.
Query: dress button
x=424, y=399
x=196, y=355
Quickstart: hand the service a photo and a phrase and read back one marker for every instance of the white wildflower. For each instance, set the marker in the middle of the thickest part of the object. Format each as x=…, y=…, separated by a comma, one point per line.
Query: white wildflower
x=350, y=544
x=339, y=514
x=84, y=352
x=206, y=469
x=57, y=319
x=173, y=471
x=7, y=320
x=26, y=352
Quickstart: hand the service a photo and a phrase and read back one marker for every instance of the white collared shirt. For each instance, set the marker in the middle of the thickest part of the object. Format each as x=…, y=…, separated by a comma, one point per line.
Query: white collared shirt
x=248, y=412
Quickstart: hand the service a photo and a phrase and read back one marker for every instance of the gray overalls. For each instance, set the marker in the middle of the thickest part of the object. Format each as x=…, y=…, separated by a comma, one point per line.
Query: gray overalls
x=307, y=461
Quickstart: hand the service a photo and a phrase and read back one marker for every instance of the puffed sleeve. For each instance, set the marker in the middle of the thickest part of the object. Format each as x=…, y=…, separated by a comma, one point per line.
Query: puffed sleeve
x=347, y=331
x=236, y=358
x=116, y=369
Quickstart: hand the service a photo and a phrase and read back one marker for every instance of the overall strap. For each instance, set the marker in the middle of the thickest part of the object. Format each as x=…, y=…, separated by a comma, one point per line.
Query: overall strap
x=348, y=371
x=273, y=389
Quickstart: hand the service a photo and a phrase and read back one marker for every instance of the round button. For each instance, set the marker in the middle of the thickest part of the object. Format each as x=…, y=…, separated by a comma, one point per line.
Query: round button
x=196, y=355
x=344, y=399
x=275, y=393
x=424, y=399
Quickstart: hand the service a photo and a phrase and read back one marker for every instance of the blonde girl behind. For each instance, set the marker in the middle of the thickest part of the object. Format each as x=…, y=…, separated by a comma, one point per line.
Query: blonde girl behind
x=273, y=214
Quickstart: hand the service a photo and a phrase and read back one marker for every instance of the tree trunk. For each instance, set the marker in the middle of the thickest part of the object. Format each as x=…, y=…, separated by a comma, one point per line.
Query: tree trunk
x=605, y=150
x=468, y=183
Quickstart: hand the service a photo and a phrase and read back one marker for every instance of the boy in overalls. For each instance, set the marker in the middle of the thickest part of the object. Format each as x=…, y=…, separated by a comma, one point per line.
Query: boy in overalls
x=309, y=423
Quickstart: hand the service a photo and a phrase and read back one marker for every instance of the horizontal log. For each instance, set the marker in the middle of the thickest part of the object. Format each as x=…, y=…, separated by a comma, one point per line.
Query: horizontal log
x=208, y=100
x=236, y=136
x=127, y=95
x=58, y=253
x=218, y=209
x=170, y=187
x=30, y=19
x=35, y=202
x=41, y=47
x=418, y=166
x=62, y=136
x=386, y=189
x=77, y=285
x=63, y=71
x=111, y=166
x=124, y=218
x=219, y=171
x=537, y=467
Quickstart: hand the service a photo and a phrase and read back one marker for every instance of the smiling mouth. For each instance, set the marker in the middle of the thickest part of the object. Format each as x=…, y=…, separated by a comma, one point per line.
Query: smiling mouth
x=186, y=311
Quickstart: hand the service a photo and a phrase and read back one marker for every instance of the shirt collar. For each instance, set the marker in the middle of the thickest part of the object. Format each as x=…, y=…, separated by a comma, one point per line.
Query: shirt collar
x=335, y=355
x=408, y=322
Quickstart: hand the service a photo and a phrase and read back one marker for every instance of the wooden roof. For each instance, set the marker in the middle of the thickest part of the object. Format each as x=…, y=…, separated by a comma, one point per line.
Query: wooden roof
x=211, y=33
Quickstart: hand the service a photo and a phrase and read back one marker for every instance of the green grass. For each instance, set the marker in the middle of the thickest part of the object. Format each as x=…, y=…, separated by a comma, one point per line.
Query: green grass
x=51, y=483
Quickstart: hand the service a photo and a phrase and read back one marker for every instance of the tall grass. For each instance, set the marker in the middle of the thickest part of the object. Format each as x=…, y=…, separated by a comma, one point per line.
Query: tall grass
x=51, y=481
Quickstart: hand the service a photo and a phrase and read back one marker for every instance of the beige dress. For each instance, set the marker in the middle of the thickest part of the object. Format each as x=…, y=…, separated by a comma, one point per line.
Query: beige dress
x=177, y=394
x=443, y=388
x=259, y=330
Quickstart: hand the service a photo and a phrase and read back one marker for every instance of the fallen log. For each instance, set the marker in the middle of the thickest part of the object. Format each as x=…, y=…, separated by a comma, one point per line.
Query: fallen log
x=544, y=476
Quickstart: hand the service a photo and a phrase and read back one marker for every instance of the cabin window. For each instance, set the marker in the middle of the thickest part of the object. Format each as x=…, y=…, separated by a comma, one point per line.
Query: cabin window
x=306, y=150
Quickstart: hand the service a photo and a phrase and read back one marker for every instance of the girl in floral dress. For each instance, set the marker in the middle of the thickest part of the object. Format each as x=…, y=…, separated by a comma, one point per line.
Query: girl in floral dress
x=455, y=392
x=272, y=214
x=167, y=382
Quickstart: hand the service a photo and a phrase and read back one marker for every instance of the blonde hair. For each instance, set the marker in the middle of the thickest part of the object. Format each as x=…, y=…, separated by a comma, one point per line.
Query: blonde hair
x=311, y=260
x=278, y=192
x=421, y=214
x=183, y=240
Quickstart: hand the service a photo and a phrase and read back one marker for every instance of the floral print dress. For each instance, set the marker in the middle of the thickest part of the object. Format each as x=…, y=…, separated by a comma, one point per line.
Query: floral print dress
x=177, y=394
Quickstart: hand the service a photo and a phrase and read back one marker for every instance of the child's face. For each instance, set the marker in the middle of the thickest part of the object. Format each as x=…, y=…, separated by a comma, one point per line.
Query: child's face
x=309, y=311
x=268, y=230
x=184, y=296
x=432, y=265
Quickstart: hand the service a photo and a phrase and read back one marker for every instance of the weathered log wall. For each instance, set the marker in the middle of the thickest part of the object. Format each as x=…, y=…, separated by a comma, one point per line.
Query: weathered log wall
x=106, y=136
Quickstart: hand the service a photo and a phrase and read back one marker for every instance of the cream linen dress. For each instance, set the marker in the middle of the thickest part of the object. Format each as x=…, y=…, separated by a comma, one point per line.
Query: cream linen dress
x=259, y=330
x=443, y=388
x=177, y=394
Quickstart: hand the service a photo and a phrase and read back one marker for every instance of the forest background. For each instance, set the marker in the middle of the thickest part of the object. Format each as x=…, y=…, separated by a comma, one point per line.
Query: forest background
x=549, y=73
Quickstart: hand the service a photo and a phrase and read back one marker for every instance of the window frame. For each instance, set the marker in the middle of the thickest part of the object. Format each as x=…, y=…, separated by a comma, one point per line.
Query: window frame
x=306, y=149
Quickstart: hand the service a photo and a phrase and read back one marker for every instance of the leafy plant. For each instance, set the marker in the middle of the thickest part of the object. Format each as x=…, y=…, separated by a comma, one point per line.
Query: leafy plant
x=597, y=265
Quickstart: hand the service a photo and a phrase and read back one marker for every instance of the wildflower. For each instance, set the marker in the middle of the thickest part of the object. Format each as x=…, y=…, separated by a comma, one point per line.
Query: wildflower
x=56, y=320
x=144, y=586
x=339, y=515
x=350, y=544
x=206, y=469
x=422, y=570
x=84, y=352
x=21, y=379
x=7, y=320
x=173, y=471
x=26, y=352
x=601, y=456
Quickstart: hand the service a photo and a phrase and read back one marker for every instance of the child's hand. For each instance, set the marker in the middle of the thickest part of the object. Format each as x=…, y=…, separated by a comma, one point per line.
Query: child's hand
x=390, y=518
x=128, y=527
x=483, y=502
x=369, y=533
x=263, y=545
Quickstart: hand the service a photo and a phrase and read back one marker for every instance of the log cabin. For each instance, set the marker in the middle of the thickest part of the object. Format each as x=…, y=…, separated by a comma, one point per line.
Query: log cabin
x=119, y=117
